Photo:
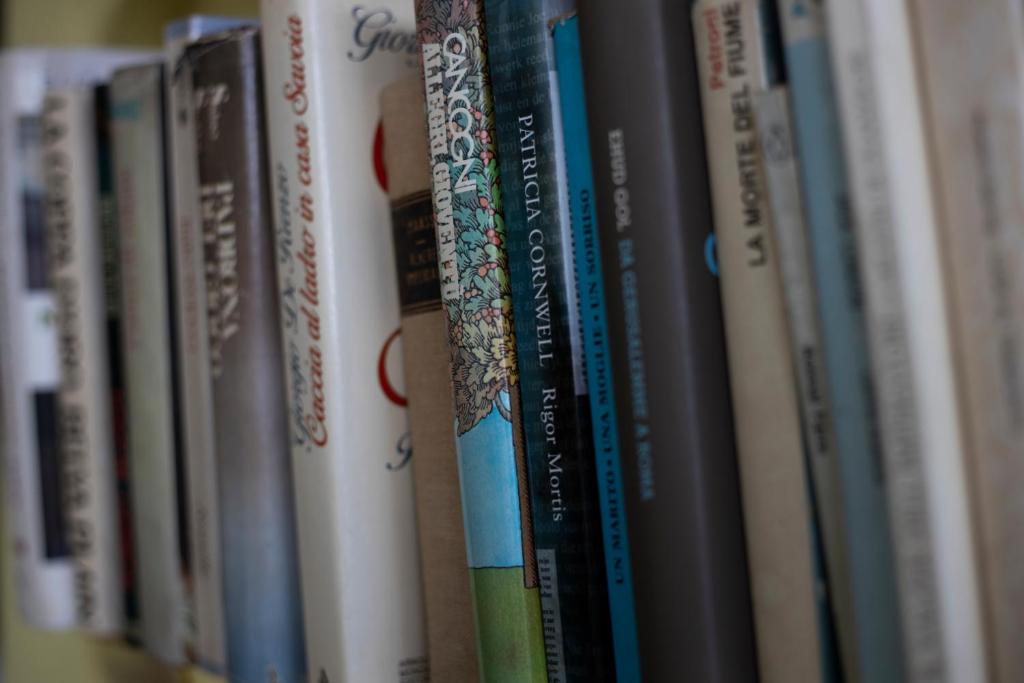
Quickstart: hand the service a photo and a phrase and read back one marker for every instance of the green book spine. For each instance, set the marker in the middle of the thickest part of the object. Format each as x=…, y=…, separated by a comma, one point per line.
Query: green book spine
x=477, y=300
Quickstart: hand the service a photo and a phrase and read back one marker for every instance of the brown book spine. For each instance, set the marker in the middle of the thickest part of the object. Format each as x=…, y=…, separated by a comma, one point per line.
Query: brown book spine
x=447, y=593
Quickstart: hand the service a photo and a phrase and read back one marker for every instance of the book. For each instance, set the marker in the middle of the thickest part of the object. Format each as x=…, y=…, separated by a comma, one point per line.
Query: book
x=679, y=467
x=110, y=238
x=594, y=325
x=205, y=592
x=786, y=203
x=897, y=238
x=442, y=539
x=29, y=361
x=325, y=64
x=733, y=57
x=87, y=450
x=476, y=296
x=161, y=545
x=972, y=58
x=262, y=597
x=864, y=602
x=552, y=378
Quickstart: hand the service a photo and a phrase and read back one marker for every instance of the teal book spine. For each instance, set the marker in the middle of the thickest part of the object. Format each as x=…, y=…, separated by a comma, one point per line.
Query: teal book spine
x=555, y=406
x=477, y=301
x=874, y=644
x=597, y=354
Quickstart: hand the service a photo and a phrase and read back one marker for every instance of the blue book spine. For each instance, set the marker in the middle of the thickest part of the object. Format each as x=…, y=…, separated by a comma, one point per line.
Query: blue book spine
x=596, y=350
x=834, y=261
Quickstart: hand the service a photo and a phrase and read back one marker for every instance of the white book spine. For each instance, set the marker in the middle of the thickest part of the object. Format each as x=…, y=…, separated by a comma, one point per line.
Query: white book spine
x=908, y=332
x=325, y=64
x=769, y=439
x=139, y=168
x=206, y=597
x=71, y=167
x=28, y=347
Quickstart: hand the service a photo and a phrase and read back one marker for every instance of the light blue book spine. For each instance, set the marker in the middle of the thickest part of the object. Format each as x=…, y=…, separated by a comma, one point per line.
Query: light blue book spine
x=877, y=652
x=596, y=350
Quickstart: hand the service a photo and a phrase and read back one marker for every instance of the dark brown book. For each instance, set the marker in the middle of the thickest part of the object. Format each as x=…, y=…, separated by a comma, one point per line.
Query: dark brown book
x=680, y=476
x=447, y=594
x=262, y=599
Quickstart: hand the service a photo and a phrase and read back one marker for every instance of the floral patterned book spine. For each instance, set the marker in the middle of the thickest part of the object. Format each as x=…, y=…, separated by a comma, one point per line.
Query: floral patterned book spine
x=477, y=301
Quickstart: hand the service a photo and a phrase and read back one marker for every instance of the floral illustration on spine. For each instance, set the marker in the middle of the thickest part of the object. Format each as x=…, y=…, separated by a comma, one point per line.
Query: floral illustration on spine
x=480, y=326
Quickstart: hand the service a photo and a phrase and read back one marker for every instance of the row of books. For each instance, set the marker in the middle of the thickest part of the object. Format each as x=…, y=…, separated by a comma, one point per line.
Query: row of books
x=488, y=340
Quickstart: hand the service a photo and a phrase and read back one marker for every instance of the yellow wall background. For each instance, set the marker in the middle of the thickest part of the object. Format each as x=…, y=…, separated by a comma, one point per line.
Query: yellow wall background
x=31, y=656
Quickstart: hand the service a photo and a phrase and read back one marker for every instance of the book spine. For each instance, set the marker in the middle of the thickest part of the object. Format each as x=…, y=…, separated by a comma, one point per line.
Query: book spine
x=667, y=346
x=475, y=291
x=782, y=184
x=555, y=406
x=85, y=425
x=206, y=590
x=731, y=54
x=263, y=611
x=442, y=538
x=972, y=57
x=325, y=64
x=866, y=630
x=597, y=361
x=115, y=358
x=934, y=540
x=137, y=110
x=31, y=369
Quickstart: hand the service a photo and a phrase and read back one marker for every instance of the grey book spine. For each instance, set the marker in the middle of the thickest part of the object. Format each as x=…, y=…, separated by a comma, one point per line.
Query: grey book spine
x=263, y=604
x=680, y=474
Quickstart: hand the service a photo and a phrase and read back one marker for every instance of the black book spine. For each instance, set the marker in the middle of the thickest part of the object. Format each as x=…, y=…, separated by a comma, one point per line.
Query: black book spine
x=668, y=349
x=555, y=407
x=263, y=605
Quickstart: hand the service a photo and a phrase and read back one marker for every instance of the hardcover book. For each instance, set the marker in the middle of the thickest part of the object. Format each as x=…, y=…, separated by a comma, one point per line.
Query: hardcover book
x=679, y=468
x=325, y=64
x=205, y=592
x=477, y=300
x=734, y=61
x=555, y=407
x=973, y=77
x=262, y=600
x=137, y=111
x=28, y=355
x=442, y=538
x=88, y=458
x=897, y=237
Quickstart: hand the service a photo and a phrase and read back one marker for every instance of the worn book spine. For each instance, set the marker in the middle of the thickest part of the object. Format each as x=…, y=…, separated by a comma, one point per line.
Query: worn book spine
x=262, y=599
x=74, y=240
x=325, y=64
x=137, y=110
x=972, y=56
x=668, y=349
x=555, y=406
x=782, y=184
x=733, y=62
x=115, y=358
x=897, y=237
x=586, y=244
x=442, y=539
x=42, y=562
x=477, y=300
x=205, y=592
